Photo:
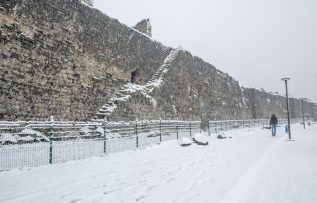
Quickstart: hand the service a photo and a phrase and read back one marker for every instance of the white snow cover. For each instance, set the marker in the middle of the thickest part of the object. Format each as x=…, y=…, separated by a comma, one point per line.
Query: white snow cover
x=184, y=141
x=86, y=130
x=101, y=130
x=88, y=3
x=30, y=132
x=7, y=137
x=148, y=27
x=251, y=167
x=26, y=139
x=34, y=132
x=201, y=138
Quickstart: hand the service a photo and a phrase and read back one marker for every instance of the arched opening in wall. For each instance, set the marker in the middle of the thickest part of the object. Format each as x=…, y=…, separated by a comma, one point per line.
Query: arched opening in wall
x=134, y=75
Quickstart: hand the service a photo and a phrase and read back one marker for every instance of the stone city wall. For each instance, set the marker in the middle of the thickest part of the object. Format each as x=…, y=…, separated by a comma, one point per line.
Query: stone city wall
x=64, y=59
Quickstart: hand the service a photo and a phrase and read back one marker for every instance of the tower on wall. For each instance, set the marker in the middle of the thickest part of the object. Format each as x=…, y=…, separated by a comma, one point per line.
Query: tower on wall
x=145, y=27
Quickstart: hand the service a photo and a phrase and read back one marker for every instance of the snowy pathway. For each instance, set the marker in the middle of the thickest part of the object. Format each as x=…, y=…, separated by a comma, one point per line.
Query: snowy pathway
x=287, y=172
x=250, y=167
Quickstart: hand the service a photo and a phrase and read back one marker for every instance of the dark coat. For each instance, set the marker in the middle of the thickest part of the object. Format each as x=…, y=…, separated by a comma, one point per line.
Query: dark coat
x=273, y=120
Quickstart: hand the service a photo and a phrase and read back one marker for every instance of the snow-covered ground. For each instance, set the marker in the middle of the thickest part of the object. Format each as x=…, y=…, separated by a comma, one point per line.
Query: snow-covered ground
x=250, y=167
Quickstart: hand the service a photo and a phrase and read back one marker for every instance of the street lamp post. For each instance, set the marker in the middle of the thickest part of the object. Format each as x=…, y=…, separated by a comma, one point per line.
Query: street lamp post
x=288, y=121
x=303, y=112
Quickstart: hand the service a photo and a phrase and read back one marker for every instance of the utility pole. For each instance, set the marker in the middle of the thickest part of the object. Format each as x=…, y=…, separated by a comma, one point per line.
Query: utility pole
x=288, y=120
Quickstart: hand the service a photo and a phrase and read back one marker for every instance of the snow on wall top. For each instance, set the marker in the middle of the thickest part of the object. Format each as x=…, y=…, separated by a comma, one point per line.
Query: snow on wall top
x=88, y=2
x=145, y=27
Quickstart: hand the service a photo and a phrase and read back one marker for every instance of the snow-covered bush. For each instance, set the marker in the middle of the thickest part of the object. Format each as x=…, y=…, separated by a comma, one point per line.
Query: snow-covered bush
x=7, y=138
x=155, y=133
x=200, y=139
x=184, y=142
x=221, y=136
x=33, y=133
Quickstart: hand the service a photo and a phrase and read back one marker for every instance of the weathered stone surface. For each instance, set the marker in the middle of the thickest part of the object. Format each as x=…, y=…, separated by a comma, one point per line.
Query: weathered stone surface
x=65, y=59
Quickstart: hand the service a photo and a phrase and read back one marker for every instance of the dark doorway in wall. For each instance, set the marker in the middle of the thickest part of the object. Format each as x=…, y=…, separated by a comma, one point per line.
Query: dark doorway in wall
x=134, y=75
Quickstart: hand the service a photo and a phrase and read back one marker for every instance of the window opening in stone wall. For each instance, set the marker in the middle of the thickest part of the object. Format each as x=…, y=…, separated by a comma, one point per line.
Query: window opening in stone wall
x=134, y=76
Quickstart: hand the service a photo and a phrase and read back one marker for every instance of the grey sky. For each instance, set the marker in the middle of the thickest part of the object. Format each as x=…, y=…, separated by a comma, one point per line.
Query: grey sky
x=256, y=42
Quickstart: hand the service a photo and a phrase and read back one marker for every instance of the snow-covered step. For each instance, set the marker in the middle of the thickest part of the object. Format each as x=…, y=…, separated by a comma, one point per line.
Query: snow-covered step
x=125, y=92
x=104, y=111
x=102, y=114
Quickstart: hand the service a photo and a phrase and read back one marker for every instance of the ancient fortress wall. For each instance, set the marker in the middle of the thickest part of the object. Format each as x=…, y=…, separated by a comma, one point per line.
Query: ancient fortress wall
x=62, y=58
x=65, y=59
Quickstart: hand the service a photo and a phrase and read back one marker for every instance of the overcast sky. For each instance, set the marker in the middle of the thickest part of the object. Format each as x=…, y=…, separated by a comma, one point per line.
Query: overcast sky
x=255, y=41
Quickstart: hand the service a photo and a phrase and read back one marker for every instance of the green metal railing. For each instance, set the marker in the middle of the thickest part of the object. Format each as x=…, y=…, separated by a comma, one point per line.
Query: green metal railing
x=38, y=143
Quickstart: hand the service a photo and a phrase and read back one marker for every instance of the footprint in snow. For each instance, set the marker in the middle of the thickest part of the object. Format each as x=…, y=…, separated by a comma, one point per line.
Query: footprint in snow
x=111, y=191
x=66, y=194
x=150, y=188
x=140, y=198
x=75, y=200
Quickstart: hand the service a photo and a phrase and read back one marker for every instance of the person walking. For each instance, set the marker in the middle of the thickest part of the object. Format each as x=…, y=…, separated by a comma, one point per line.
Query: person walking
x=273, y=124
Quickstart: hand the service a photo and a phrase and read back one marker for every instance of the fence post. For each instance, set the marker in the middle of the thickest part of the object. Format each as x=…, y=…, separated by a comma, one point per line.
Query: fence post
x=136, y=133
x=208, y=129
x=216, y=127
x=51, y=141
x=200, y=127
x=190, y=127
x=226, y=126
x=177, y=128
x=243, y=123
x=74, y=126
x=105, y=136
x=160, y=129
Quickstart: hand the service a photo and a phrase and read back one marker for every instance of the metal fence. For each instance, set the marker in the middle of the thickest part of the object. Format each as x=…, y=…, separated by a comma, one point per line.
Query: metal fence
x=38, y=143
x=225, y=125
x=25, y=144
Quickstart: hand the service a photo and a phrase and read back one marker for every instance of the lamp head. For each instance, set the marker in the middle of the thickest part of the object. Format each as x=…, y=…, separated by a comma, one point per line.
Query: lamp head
x=285, y=79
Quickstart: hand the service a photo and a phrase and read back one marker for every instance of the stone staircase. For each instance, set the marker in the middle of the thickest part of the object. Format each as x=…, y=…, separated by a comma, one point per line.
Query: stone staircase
x=126, y=91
